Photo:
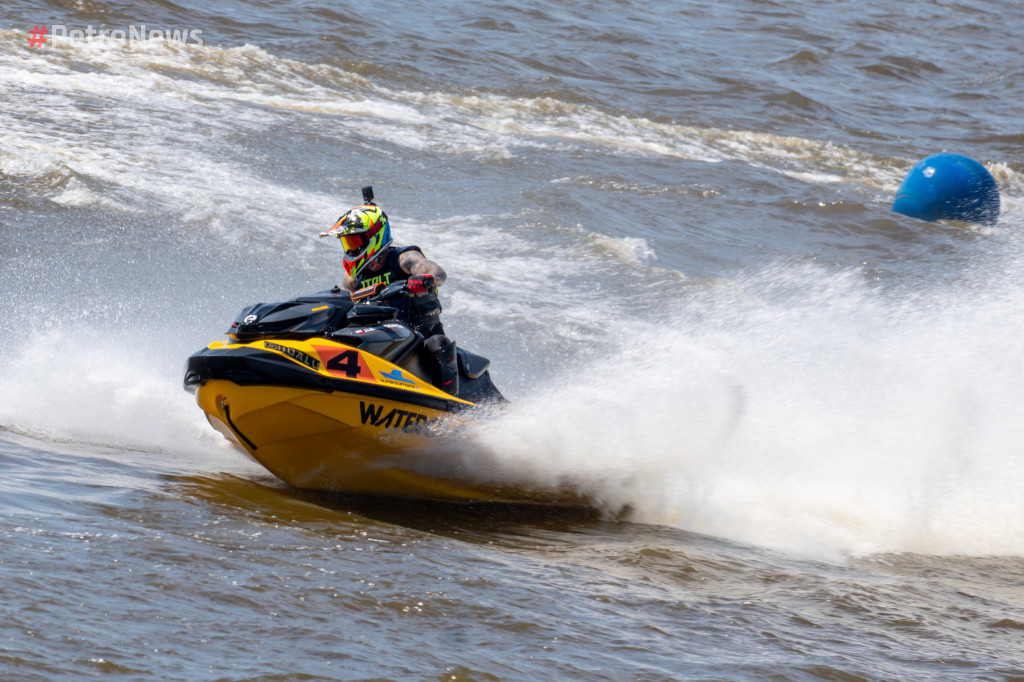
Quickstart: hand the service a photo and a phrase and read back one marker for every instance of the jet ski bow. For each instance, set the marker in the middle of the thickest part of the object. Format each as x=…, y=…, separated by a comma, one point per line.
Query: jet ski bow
x=331, y=392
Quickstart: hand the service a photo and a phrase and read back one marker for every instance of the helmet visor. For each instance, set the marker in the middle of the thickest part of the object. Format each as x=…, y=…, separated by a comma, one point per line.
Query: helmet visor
x=353, y=243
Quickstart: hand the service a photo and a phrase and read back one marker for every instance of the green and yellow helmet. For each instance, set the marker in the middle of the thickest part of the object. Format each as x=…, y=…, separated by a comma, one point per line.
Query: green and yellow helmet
x=364, y=233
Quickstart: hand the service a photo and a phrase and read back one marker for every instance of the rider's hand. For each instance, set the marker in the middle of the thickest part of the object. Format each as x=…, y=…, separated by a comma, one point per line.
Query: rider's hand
x=420, y=284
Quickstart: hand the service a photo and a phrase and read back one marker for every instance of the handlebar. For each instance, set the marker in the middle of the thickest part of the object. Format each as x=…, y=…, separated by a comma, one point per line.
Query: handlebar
x=380, y=292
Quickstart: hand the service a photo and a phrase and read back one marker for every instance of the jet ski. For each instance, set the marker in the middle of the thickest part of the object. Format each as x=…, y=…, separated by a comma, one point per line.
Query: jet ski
x=331, y=392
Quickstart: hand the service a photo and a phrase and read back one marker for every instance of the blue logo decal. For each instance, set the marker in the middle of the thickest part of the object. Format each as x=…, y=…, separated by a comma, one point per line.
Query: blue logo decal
x=396, y=375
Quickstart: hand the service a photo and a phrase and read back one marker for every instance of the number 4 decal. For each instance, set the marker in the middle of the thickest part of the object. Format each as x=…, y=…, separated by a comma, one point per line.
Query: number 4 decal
x=347, y=362
x=344, y=362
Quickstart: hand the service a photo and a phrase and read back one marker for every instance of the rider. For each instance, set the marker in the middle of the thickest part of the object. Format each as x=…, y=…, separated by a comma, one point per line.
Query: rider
x=371, y=258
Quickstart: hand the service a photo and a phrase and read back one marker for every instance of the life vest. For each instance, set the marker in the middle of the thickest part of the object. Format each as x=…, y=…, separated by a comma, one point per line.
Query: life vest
x=423, y=312
x=390, y=272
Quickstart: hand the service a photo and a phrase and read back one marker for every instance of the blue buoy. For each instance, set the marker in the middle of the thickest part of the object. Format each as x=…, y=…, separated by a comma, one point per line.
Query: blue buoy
x=949, y=187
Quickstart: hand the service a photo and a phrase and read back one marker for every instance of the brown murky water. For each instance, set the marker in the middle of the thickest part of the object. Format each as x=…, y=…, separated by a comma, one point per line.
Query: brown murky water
x=667, y=227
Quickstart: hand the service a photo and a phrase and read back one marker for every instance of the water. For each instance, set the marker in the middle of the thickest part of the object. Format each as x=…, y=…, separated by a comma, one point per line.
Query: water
x=669, y=230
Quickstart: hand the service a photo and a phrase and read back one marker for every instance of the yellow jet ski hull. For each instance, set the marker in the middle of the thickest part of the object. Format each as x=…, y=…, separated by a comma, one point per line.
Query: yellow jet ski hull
x=355, y=425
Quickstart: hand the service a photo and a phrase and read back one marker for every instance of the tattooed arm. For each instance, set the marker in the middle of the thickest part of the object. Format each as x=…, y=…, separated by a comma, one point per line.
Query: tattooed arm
x=415, y=263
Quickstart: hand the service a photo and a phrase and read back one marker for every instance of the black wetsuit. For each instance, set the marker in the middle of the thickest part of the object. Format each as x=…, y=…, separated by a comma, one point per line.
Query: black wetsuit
x=422, y=312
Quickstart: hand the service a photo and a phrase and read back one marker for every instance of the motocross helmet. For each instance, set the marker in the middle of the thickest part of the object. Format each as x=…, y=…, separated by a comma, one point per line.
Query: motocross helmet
x=364, y=233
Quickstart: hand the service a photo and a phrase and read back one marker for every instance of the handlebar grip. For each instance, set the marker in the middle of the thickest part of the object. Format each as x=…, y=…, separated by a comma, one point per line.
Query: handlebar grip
x=368, y=292
x=394, y=289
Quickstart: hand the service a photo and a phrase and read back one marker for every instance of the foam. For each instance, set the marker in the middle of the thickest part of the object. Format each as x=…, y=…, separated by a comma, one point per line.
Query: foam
x=76, y=382
x=798, y=410
x=201, y=84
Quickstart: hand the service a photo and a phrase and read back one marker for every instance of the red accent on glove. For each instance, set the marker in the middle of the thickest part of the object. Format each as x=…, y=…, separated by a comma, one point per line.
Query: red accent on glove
x=420, y=284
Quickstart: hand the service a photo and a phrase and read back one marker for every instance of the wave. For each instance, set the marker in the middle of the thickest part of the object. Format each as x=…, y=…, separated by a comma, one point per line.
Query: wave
x=81, y=384
x=799, y=410
x=97, y=98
